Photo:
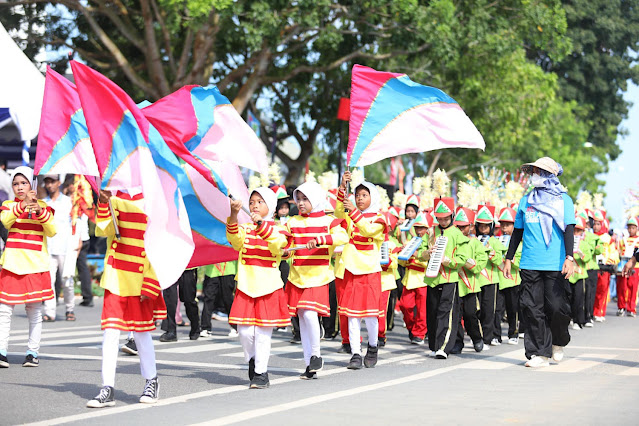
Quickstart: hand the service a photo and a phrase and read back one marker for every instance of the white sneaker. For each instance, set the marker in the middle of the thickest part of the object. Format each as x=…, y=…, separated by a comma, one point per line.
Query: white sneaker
x=486, y=348
x=557, y=353
x=537, y=361
x=233, y=333
x=589, y=324
x=495, y=342
x=513, y=341
x=576, y=327
x=599, y=319
x=441, y=354
x=521, y=335
x=432, y=354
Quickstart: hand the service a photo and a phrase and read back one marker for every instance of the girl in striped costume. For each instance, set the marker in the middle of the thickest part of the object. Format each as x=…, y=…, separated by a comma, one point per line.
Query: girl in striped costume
x=311, y=271
x=24, y=278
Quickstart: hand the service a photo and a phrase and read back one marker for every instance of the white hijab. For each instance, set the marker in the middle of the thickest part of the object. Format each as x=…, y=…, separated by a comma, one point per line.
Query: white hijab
x=315, y=194
x=375, y=202
x=25, y=171
x=270, y=199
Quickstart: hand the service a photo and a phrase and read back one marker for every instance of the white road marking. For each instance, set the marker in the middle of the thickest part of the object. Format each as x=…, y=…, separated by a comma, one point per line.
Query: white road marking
x=46, y=330
x=497, y=361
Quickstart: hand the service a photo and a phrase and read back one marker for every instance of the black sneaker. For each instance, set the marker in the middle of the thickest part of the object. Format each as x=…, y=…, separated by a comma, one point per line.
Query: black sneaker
x=194, y=334
x=479, y=346
x=251, y=368
x=31, y=361
x=151, y=391
x=296, y=339
x=168, y=337
x=344, y=349
x=129, y=347
x=457, y=348
x=104, y=399
x=381, y=342
x=355, y=362
x=417, y=341
x=307, y=375
x=260, y=381
x=620, y=312
x=370, y=359
x=4, y=362
x=315, y=364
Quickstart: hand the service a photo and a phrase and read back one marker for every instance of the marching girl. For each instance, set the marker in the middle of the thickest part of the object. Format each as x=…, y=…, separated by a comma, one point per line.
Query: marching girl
x=469, y=284
x=576, y=291
x=132, y=294
x=24, y=278
x=410, y=212
x=509, y=287
x=489, y=277
x=360, y=265
x=413, y=300
x=260, y=303
x=311, y=273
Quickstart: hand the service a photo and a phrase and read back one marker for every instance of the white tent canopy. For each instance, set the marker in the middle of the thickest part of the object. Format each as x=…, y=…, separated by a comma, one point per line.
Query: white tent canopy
x=21, y=87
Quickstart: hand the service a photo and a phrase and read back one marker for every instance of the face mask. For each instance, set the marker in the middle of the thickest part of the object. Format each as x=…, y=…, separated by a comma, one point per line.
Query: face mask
x=537, y=181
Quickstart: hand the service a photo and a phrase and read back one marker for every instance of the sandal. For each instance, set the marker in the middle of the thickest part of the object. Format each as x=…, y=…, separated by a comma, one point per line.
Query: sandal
x=70, y=316
x=47, y=318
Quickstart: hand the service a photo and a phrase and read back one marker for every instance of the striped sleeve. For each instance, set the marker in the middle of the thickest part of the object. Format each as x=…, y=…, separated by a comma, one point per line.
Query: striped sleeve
x=150, y=288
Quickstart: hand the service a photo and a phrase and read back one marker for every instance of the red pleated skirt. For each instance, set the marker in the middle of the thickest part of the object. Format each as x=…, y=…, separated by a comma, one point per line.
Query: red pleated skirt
x=312, y=299
x=269, y=310
x=360, y=297
x=30, y=288
x=129, y=313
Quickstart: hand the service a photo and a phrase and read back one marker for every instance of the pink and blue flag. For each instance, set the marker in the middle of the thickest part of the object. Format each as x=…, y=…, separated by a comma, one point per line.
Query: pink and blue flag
x=63, y=141
x=132, y=156
x=392, y=115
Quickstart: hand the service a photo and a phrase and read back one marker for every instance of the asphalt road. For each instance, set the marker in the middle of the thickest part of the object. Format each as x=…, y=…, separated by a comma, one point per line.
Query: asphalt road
x=205, y=381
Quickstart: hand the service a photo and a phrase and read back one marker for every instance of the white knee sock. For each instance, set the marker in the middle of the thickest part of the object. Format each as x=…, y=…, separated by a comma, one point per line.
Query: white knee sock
x=247, y=339
x=110, y=339
x=146, y=352
x=372, y=327
x=5, y=326
x=34, y=313
x=310, y=333
x=354, y=325
x=262, y=348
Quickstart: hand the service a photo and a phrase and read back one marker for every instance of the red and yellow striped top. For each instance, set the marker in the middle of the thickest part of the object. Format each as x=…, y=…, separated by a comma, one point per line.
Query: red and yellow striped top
x=127, y=270
x=26, y=248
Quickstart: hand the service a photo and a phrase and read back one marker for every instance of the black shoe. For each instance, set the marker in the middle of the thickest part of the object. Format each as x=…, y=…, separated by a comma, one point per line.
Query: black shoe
x=410, y=336
x=620, y=312
x=479, y=346
x=370, y=359
x=87, y=303
x=4, y=362
x=168, y=337
x=417, y=341
x=129, y=347
x=457, y=348
x=307, y=375
x=151, y=391
x=260, y=381
x=344, y=349
x=194, y=334
x=381, y=342
x=355, y=362
x=315, y=364
x=296, y=339
x=251, y=368
x=31, y=361
x=104, y=399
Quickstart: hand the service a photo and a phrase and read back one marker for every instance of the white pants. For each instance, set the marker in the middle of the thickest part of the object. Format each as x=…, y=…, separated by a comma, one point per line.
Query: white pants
x=111, y=347
x=310, y=333
x=256, y=342
x=57, y=263
x=34, y=313
x=354, y=331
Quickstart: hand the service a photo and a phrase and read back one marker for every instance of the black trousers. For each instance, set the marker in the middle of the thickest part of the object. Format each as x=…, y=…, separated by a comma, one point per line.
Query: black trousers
x=468, y=310
x=488, y=296
x=186, y=286
x=83, y=272
x=214, y=289
x=331, y=323
x=576, y=294
x=591, y=291
x=546, y=311
x=508, y=300
x=390, y=312
x=442, y=310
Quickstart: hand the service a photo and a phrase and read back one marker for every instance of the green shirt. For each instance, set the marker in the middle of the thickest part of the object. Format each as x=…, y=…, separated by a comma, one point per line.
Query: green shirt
x=581, y=254
x=596, y=249
x=457, y=251
x=514, y=271
x=468, y=277
x=221, y=269
x=496, y=252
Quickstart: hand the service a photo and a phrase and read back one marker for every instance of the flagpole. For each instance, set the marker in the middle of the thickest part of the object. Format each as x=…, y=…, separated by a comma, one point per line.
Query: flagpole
x=114, y=218
x=244, y=209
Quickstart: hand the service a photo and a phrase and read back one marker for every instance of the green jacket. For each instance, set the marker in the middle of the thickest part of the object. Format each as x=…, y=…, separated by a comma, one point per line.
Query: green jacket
x=496, y=251
x=596, y=248
x=468, y=277
x=457, y=251
x=581, y=254
x=514, y=271
x=221, y=269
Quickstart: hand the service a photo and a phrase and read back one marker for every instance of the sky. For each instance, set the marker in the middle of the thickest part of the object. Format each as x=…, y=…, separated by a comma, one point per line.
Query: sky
x=623, y=173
